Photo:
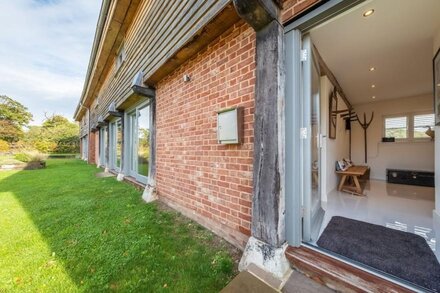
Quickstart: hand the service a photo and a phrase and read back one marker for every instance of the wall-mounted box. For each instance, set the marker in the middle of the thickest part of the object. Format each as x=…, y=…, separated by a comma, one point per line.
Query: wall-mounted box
x=230, y=126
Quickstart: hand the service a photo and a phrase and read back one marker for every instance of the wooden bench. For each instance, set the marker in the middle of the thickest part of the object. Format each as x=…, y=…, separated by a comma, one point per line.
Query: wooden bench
x=353, y=173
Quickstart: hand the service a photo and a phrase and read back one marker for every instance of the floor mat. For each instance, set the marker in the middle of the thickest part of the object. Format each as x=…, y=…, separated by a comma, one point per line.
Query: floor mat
x=398, y=253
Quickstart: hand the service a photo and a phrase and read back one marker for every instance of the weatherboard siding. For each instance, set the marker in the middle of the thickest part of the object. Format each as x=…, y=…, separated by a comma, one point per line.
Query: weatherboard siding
x=206, y=181
x=159, y=29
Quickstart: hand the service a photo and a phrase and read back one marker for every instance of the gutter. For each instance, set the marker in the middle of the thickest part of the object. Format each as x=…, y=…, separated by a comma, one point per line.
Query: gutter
x=99, y=29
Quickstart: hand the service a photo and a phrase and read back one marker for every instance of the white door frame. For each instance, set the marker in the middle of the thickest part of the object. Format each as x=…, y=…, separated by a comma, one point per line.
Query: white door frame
x=296, y=178
x=131, y=117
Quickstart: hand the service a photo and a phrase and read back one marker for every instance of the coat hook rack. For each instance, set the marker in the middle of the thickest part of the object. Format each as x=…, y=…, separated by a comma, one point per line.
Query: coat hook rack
x=365, y=126
x=349, y=117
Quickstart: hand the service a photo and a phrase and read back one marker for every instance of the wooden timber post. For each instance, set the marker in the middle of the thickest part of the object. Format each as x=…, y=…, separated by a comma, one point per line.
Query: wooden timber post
x=266, y=246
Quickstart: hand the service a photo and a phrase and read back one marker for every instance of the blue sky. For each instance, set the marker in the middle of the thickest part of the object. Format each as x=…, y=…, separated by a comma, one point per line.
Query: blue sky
x=44, y=52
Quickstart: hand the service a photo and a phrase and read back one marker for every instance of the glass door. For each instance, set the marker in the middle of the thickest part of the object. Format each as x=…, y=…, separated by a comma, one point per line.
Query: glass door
x=311, y=148
x=118, y=144
x=143, y=142
x=102, y=146
x=139, y=143
x=112, y=146
x=132, y=141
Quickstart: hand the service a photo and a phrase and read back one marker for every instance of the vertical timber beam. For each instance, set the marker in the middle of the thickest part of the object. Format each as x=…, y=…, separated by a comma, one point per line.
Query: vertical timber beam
x=267, y=245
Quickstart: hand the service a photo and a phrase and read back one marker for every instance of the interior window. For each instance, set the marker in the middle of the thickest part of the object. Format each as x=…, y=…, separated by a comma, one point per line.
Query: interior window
x=421, y=124
x=396, y=127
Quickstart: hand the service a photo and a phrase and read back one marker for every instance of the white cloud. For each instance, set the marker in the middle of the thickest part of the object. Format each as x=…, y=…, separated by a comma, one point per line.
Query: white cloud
x=44, y=50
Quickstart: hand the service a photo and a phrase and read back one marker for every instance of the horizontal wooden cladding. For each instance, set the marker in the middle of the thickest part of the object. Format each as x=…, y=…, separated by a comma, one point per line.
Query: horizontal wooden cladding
x=84, y=125
x=120, y=21
x=198, y=41
x=159, y=31
x=336, y=274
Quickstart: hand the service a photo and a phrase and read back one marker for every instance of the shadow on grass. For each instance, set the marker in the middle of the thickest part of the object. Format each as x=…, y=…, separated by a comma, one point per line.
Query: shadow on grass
x=103, y=236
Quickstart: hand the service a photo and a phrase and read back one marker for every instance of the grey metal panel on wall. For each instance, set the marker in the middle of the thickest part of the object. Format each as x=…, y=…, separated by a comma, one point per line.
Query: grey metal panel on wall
x=159, y=29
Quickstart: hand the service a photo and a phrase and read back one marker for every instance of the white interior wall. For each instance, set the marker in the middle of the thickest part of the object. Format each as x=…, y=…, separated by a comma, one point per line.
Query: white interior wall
x=399, y=155
x=333, y=149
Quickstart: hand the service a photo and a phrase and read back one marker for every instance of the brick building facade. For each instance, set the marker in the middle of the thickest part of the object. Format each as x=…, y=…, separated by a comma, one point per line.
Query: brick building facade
x=209, y=182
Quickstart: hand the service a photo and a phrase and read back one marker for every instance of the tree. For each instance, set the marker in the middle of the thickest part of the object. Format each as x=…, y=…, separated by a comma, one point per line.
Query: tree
x=57, y=134
x=13, y=117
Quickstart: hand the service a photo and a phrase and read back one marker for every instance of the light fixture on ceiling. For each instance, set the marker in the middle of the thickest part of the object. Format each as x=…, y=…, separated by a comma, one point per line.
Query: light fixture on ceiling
x=368, y=13
x=438, y=84
x=372, y=68
x=373, y=97
x=373, y=86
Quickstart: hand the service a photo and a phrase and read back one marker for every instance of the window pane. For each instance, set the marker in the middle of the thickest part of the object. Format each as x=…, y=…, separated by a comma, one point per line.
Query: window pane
x=421, y=124
x=118, y=143
x=132, y=140
x=396, y=127
x=143, y=140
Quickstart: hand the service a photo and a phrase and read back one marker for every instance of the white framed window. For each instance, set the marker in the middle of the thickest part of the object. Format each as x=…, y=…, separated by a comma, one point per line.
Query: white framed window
x=396, y=127
x=115, y=147
x=103, y=147
x=408, y=126
x=137, y=142
x=423, y=122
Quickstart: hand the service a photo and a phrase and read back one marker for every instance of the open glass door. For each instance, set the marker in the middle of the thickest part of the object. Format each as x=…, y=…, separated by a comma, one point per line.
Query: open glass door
x=311, y=147
x=139, y=139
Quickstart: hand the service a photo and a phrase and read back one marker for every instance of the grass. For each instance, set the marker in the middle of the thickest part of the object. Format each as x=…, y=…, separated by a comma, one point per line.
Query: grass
x=8, y=160
x=64, y=230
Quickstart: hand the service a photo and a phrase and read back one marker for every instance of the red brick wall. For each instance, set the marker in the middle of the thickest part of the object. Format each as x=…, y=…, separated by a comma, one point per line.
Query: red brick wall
x=91, y=155
x=208, y=181
x=294, y=7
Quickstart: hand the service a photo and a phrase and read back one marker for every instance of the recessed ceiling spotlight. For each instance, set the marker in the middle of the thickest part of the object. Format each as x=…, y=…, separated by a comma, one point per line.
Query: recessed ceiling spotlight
x=368, y=13
x=373, y=97
x=372, y=68
x=373, y=86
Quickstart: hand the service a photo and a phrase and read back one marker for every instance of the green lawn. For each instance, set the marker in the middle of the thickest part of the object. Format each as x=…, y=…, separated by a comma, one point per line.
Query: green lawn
x=8, y=160
x=64, y=230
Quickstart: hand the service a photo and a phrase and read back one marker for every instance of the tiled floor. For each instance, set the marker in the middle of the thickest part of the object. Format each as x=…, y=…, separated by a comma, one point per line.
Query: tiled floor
x=403, y=207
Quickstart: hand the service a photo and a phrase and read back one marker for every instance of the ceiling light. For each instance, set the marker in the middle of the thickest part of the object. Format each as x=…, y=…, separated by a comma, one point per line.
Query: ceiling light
x=438, y=84
x=373, y=97
x=368, y=13
x=372, y=68
x=373, y=86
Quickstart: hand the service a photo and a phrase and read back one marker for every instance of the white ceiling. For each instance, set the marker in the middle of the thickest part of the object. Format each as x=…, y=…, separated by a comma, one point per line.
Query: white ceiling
x=397, y=40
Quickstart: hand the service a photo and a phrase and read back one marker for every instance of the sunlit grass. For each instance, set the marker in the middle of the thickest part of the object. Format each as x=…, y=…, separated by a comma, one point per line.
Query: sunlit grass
x=64, y=230
x=23, y=250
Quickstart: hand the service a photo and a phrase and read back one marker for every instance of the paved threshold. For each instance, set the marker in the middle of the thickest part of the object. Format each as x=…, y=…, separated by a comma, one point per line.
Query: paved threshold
x=247, y=282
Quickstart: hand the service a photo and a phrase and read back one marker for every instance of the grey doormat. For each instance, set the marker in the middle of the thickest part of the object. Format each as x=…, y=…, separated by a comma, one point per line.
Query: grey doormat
x=398, y=253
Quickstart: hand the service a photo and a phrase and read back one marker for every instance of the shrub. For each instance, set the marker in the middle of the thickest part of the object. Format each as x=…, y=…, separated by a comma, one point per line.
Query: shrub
x=4, y=146
x=22, y=157
x=30, y=157
x=36, y=157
